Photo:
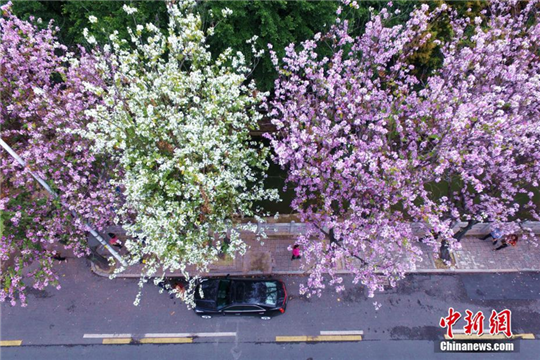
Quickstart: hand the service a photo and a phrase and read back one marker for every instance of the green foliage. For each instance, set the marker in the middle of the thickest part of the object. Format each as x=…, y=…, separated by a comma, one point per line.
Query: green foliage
x=279, y=23
x=1, y=223
x=111, y=17
x=46, y=10
x=276, y=22
x=71, y=17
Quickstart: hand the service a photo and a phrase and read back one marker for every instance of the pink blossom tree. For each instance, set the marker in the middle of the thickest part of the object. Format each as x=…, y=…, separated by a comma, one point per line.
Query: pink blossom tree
x=369, y=146
x=43, y=98
x=484, y=114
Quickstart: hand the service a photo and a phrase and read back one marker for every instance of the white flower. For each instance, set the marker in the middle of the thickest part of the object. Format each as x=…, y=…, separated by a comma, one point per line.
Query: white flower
x=226, y=12
x=74, y=62
x=90, y=38
x=252, y=40
x=151, y=27
x=129, y=10
x=163, y=203
x=92, y=19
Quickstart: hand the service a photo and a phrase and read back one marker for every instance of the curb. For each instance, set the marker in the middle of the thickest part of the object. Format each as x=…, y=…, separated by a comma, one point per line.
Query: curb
x=98, y=271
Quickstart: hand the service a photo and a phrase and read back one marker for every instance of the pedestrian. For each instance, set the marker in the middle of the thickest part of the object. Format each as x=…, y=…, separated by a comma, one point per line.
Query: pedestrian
x=179, y=289
x=502, y=246
x=296, y=252
x=142, y=260
x=114, y=241
x=59, y=257
x=224, y=248
x=510, y=239
x=495, y=235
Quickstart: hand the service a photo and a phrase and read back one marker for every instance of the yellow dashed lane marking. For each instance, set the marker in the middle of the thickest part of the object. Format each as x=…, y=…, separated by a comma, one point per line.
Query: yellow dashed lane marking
x=10, y=342
x=117, y=341
x=318, y=338
x=166, y=340
x=527, y=336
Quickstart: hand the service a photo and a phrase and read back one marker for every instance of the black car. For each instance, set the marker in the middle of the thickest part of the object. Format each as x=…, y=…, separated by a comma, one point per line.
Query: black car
x=263, y=298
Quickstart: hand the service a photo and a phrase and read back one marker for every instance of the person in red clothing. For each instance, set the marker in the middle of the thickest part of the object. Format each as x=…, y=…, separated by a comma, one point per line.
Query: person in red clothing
x=513, y=239
x=114, y=241
x=296, y=252
x=510, y=239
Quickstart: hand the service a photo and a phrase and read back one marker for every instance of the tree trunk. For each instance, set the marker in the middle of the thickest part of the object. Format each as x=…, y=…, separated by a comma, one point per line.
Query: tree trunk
x=461, y=233
x=444, y=253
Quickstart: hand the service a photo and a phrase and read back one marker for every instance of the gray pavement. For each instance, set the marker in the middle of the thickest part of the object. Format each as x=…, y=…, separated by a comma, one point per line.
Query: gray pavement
x=272, y=256
x=54, y=324
x=369, y=350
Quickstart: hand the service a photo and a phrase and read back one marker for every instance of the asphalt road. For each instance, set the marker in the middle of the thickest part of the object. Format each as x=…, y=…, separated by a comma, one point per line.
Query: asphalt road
x=71, y=323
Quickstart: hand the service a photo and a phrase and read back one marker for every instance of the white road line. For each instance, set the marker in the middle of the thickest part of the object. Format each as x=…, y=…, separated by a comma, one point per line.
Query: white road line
x=211, y=334
x=100, y=336
x=343, y=332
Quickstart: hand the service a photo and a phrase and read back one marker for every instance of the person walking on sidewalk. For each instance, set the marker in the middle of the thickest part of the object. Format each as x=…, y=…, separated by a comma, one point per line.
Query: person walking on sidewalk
x=510, y=239
x=59, y=257
x=295, y=252
x=114, y=241
x=495, y=235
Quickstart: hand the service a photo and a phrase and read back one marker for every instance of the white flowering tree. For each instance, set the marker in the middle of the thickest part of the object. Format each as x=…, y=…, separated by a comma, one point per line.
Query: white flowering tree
x=178, y=122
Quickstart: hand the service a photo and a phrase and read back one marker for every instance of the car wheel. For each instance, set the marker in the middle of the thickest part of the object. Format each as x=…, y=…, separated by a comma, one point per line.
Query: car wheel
x=265, y=317
x=206, y=316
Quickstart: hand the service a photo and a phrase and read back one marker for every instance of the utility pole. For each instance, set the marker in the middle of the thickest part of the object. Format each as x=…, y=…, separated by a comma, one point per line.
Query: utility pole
x=55, y=195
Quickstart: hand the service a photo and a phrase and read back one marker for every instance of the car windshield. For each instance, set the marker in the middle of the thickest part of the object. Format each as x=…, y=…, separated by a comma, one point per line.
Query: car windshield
x=223, y=293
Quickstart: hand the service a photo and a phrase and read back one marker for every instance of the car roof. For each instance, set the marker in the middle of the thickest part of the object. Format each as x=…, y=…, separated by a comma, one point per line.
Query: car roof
x=251, y=292
x=241, y=292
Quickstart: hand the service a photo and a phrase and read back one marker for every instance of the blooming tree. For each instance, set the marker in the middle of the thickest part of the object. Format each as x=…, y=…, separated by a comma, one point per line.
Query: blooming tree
x=484, y=114
x=42, y=96
x=368, y=144
x=178, y=121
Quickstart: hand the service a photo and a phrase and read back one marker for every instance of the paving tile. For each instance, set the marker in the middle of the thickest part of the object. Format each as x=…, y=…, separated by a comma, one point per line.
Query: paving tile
x=473, y=255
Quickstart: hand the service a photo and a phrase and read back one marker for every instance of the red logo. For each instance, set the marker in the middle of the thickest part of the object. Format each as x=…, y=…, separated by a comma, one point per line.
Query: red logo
x=474, y=323
x=449, y=321
x=499, y=322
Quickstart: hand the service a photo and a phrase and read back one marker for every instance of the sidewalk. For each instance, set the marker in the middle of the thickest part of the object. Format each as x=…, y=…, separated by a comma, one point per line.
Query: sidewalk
x=274, y=258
